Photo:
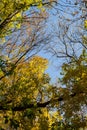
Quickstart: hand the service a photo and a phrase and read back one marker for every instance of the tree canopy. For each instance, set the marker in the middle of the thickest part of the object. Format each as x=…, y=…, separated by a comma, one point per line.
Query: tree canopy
x=12, y=13
x=28, y=98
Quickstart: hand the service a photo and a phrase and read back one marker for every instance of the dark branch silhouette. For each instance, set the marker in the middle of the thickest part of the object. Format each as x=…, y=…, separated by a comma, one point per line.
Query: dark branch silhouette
x=22, y=107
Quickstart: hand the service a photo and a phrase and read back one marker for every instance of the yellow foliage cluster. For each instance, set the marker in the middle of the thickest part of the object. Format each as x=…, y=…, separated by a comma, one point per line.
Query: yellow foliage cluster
x=11, y=13
x=85, y=24
x=24, y=84
x=50, y=116
x=27, y=78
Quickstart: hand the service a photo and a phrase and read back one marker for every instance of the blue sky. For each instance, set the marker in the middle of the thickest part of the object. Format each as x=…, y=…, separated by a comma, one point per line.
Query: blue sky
x=69, y=12
x=54, y=67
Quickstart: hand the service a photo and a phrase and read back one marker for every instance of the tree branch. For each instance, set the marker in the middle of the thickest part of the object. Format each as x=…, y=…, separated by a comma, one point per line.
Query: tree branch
x=22, y=107
x=10, y=16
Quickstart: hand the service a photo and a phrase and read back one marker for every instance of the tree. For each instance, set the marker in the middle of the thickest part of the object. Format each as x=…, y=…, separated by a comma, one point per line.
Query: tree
x=75, y=80
x=25, y=25
x=13, y=13
x=27, y=41
x=26, y=86
x=71, y=46
x=23, y=43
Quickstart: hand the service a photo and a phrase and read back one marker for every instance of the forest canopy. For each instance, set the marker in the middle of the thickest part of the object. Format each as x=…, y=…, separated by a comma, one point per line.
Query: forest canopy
x=28, y=98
